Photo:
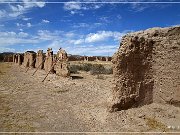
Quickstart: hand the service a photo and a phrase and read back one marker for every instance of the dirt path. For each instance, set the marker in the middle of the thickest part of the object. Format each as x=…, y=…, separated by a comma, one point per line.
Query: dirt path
x=66, y=105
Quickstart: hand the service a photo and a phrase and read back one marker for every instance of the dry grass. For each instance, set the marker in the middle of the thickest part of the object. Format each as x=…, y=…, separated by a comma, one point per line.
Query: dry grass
x=4, y=67
x=153, y=124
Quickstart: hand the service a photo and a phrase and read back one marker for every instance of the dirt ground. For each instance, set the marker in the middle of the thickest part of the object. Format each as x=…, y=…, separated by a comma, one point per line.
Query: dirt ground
x=77, y=104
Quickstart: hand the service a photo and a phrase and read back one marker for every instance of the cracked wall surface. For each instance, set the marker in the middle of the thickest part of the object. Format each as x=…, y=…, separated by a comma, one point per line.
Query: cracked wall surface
x=62, y=65
x=146, y=68
x=29, y=59
x=39, y=59
x=48, y=64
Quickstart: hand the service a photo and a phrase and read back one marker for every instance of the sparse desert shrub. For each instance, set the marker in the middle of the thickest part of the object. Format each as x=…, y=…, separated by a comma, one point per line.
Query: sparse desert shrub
x=154, y=124
x=100, y=69
x=97, y=69
x=74, y=68
x=87, y=67
x=108, y=71
x=84, y=67
x=94, y=69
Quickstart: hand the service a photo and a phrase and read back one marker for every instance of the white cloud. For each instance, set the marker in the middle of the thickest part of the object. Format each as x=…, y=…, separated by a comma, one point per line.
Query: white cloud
x=81, y=25
x=19, y=24
x=23, y=34
x=13, y=38
x=101, y=50
x=13, y=11
x=26, y=19
x=76, y=42
x=29, y=25
x=6, y=49
x=45, y=21
x=47, y=35
x=72, y=6
x=75, y=7
x=73, y=42
x=103, y=35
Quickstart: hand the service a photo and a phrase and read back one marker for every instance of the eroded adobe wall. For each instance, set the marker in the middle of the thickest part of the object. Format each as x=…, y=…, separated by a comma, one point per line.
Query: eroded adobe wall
x=39, y=60
x=147, y=68
x=29, y=59
x=48, y=64
x=19, y=59
x=62, y=65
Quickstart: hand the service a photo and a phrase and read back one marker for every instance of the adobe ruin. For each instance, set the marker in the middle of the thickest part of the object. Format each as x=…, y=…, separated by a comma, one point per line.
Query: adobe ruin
x=19, y=59
x=146, y=68
x=39, y=59
x=48, y=64
x=29, y=59
x=62, y=64
x=15, y=58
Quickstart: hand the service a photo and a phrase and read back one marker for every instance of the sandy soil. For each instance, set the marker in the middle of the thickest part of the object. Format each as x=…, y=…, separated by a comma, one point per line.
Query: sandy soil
x=77, y=104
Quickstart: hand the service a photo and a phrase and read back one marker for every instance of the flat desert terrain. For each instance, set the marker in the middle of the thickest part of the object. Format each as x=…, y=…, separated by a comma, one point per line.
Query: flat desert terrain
x=76, y=104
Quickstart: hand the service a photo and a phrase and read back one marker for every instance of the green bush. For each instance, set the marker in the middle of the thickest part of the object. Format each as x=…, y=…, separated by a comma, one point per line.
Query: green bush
x=87, y=67
x=97, y=69
x=94, y=69
x=74, y=68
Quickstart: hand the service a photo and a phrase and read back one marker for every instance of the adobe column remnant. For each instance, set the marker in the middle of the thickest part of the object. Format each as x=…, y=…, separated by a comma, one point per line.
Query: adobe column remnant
x=19, y=59
x=48, y=64
x=62, y=65
x=39, y=59
x=146, y=68
x=85, y=58
x=107, y=59
x=29, y=59
x=13, y=58
x=97, y=59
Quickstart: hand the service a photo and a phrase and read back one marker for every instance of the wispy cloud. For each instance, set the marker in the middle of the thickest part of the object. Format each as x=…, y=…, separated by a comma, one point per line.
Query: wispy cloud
x=26, y=19
x=29, y=25
x=13, y=38
x=76, y=8
x=91, y=43
x=12, y=11
x=103, y=35
x=45, y=21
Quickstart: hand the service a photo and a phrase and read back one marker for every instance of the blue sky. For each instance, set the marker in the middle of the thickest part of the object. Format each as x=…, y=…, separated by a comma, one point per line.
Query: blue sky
x=79, y=28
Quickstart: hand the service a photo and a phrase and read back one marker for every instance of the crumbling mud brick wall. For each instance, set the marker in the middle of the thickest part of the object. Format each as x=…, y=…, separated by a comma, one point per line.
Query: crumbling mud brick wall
x=86, y=58
x=40, y=59
x=7, y=58
x=147, y=68
x=91, y=58
x=15, y=58
x=62, y=65
x=48, y=64
x=29, y=59
x=19, y=59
